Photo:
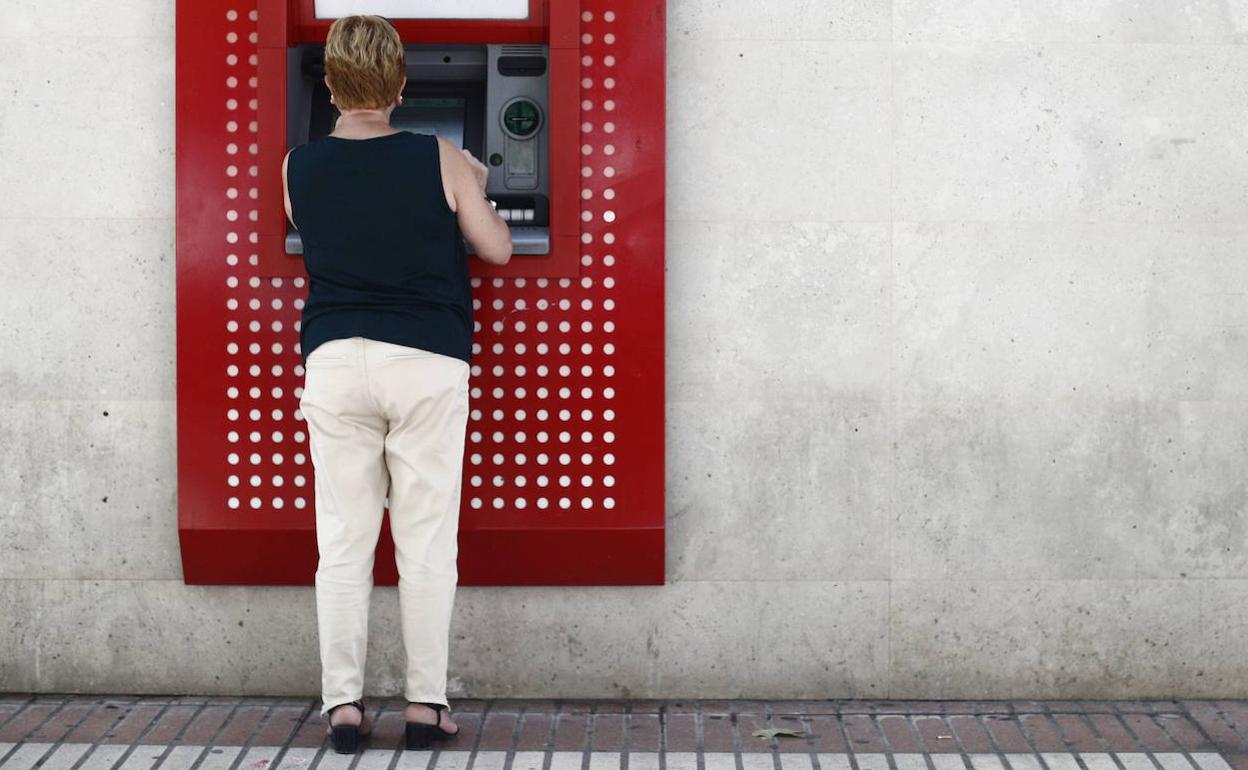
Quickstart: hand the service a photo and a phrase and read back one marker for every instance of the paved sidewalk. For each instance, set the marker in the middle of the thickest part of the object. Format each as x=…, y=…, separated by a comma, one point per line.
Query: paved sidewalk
x=213, y=733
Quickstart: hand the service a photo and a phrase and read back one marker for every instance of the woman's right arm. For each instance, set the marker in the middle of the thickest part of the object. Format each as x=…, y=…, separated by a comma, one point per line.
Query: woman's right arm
x=464, y=179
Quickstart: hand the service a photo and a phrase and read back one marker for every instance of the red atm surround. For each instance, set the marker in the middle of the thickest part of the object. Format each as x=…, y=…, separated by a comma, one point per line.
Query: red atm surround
x=564, y=476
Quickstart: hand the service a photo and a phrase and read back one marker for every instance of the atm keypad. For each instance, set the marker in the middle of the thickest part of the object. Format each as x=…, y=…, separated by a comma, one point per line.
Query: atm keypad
x=516, y=215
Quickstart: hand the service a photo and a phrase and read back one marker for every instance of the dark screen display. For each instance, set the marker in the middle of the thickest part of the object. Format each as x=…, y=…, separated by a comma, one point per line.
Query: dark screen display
x=439, y=115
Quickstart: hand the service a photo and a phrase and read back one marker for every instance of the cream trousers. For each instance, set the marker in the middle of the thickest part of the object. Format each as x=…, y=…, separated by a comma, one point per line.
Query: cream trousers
x=384, y=416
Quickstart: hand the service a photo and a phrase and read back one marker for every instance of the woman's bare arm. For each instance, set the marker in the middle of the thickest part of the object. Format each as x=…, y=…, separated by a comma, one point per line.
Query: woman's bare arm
x=286, y=189
x=463, y=178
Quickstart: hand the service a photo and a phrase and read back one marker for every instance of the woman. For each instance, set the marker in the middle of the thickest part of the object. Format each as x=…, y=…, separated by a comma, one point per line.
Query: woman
x=386, y=338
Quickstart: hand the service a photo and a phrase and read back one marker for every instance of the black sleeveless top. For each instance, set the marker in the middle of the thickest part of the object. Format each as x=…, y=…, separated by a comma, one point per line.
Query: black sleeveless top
x=381, y=246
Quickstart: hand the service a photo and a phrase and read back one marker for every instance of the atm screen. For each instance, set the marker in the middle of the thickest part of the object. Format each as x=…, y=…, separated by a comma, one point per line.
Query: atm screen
x=442, y=116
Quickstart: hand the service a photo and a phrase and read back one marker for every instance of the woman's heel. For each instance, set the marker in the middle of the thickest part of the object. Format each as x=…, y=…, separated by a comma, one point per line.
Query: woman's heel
x=346, y=738
x=419, y=735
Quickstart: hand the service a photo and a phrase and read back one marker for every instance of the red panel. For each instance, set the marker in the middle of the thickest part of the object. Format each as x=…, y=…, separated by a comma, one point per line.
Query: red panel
x=568, y=556
x=564, y=477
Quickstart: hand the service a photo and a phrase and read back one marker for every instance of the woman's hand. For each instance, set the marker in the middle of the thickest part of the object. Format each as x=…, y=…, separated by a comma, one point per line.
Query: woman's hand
x=479, y=170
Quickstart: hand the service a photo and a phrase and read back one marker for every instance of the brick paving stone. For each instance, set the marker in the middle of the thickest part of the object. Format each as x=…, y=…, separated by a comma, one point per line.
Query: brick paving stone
x=388, y=730
x=751, y=707
x=899, y=733
x=26, y=721
x=290, y=732
x=1005, y=732
x=136, y=721
x=1042, y=732
x=746, y=725
x=1077, y=733
x=970, y=733
x=281, y=724
x=1113, y=732
x=1209, y=718
x=1127, y=706
x=1235, y=713
x=644, y=732
x=97, y=724
x=935, y=733
x=1149, y=733
x=787, y=744
x=62, y=722
x=864, y=735
x=242, y=725
x=8, y=710
x=1184, y=732
x=680, y=732
x=169, y=724
x=820, y=707
x=757, y=744
x=717, y=707
x=498, y=731
x=827, y=735
x=608, y=732
x=645, y=706
x=718, y=733
x=469, y=732
x=570, y=731
x=535, y=727
x=206, y=724
x=311, y=733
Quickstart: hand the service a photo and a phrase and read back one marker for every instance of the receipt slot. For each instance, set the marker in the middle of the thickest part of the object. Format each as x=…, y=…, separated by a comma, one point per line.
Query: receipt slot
x=564, y=475
x=504, y=86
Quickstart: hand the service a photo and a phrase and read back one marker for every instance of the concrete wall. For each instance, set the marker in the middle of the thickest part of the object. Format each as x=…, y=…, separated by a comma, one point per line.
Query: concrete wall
x=957, y=312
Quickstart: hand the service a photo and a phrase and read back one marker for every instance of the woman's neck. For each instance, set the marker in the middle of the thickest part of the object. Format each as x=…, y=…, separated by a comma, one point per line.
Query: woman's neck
x=363, y=124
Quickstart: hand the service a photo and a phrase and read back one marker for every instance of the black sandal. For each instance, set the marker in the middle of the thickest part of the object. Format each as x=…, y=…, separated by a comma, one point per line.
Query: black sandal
x=419, y=735
x=346, y=738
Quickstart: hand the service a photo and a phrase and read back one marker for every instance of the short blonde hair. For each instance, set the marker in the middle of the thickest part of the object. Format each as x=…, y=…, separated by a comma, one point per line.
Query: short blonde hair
x=364, y=61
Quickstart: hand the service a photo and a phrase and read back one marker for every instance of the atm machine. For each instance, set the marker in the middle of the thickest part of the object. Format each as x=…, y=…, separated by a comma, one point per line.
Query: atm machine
x=491, y=99
x=503, y=85
x=564, y=101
